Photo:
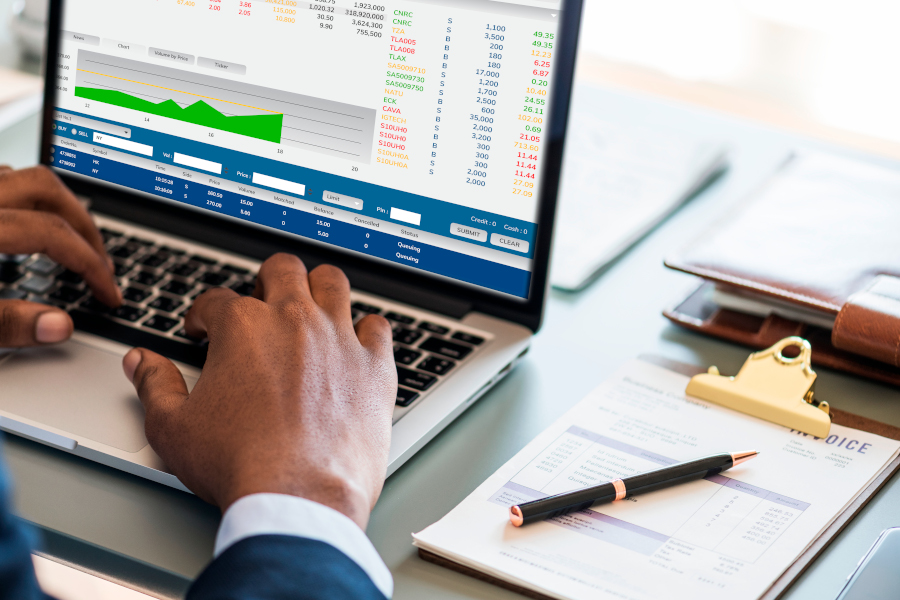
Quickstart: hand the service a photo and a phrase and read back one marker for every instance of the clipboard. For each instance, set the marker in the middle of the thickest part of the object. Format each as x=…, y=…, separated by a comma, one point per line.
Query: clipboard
x=781, y=585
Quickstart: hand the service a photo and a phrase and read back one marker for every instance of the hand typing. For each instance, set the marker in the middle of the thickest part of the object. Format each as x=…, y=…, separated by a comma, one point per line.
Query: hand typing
x=39, y=214
x=293, y=399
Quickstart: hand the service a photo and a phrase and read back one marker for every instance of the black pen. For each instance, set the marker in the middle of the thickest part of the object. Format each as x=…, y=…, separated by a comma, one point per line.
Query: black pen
x=562, y=504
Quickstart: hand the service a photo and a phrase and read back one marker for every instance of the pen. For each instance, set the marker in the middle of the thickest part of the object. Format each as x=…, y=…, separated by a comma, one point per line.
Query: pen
x=562, y=504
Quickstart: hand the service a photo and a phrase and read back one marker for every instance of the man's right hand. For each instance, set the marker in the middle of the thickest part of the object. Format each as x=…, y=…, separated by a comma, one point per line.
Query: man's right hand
x=292, y=400
x=39, y=214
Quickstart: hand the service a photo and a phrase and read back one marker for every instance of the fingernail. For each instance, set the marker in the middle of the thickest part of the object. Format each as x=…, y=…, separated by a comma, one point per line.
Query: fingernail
x=52, y=327
x=130, y=363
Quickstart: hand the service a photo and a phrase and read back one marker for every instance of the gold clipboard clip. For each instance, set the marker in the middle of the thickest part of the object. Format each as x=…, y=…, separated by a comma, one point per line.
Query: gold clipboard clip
x=770, y=386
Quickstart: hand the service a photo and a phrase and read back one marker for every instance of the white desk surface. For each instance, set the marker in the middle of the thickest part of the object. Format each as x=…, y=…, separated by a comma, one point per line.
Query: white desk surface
x=585, y=337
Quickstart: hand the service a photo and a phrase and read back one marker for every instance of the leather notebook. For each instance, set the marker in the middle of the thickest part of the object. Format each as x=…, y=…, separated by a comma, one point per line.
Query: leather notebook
x=820, y=238
x=781, y=585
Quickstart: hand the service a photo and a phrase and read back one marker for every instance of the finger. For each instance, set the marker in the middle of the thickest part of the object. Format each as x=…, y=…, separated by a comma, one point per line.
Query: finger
x=330, y=289
x=161, y=388
x=30, y=324
x=208, y=306
x=38, y=188
x=374, y=333
x=5, y=168
x=282, y=277
x=25, y=231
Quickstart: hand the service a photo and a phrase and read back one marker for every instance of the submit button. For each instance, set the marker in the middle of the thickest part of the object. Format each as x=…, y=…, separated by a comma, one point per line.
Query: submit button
x=479, y=235
x=509, y=243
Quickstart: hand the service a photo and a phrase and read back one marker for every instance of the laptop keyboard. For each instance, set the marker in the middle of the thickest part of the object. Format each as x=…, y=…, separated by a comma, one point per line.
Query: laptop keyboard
x=159, y=282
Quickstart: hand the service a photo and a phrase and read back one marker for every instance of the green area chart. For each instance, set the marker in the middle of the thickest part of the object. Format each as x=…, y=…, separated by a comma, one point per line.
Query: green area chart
x=264, y=127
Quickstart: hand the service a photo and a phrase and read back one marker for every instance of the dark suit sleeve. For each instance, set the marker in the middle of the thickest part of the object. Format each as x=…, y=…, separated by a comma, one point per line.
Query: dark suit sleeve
x=17, y=581
x=283, y=567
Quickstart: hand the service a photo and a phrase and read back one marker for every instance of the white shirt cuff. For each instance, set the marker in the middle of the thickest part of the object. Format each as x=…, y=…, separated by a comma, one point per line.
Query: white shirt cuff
x=280, y=514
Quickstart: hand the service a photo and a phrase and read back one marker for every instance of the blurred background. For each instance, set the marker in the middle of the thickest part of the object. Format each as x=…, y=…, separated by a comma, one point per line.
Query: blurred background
x=827, y=67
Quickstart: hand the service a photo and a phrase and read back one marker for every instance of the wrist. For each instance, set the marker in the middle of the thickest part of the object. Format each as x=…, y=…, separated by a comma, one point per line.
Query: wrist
x=334, y=492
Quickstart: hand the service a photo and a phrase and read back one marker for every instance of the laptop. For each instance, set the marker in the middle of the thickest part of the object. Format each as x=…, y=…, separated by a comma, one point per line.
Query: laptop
x=415, y=144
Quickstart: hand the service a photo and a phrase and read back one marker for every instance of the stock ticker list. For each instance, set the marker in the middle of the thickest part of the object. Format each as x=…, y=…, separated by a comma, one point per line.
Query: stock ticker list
x=465, y=92
x=465, y=103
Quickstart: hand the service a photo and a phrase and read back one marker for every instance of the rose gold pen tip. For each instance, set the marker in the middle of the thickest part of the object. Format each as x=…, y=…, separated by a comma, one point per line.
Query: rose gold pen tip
x=739, y=457
x=515, y=516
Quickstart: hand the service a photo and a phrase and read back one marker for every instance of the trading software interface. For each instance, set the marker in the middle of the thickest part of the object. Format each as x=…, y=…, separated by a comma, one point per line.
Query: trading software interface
x=410, y=131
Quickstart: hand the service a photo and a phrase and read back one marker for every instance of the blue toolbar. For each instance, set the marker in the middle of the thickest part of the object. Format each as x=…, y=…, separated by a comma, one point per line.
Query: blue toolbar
x=396, y=249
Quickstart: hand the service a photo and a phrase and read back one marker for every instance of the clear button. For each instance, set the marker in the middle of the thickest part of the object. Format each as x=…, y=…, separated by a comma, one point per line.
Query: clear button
x=509, y=243
x=479, y=235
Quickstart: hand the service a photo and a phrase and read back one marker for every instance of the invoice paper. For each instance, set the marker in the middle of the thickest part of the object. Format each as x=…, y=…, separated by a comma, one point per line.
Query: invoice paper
x=727, y=536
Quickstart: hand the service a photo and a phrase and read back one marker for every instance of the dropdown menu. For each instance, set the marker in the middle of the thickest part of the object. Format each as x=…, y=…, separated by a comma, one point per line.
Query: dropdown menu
x=341, y=200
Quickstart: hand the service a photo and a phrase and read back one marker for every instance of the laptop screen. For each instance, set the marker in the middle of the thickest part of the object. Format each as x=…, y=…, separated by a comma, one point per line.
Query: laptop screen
x=410, y=132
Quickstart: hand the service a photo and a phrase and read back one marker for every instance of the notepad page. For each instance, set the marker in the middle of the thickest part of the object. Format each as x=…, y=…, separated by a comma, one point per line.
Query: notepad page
x=618, y=181
x=727, y=536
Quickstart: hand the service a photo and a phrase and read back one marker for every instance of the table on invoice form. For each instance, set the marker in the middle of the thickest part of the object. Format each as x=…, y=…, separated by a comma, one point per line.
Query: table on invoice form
x=104, y=513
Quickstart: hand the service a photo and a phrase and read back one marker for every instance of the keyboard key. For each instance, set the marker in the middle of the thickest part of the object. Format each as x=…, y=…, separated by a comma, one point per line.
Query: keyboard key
x=36, y=284
x=160, y=323
x=16, y=259
x=166, y=304
x=203, y=259
x=42, y=266
x=183, y=270
x=128, y=313
x=155, y=260
x=438, y=366
x=438, y=329
x=467, y=338
x=128, y=334
x=183, y=335
x=213, y=278
x=68, y=294
x=9, y=273
x=124, y=251
x=439, y=346
x=68, y=276
x=405, y=397
x=397, y=317
x=12, y=294
x=415, y=380
x=109, y=234
x=177, y=288
x=406, y=336
x=405, y=356
x=146, y=278
x=95, y=305
x=244, y=288
x=122, y=269
x=236, y=270
x=172, y=251
x=135, y=295
x=366, y=308
x=139, y=242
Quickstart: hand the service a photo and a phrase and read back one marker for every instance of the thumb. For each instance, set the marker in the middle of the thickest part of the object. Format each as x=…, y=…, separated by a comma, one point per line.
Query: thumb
x=29, y=323
x=159, y=385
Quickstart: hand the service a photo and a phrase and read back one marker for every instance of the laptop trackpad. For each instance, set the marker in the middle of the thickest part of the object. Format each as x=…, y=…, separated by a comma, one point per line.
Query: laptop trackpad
x=77, y=388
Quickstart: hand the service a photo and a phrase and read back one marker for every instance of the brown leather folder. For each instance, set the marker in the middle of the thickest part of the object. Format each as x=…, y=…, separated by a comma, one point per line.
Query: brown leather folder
x=822, y=235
